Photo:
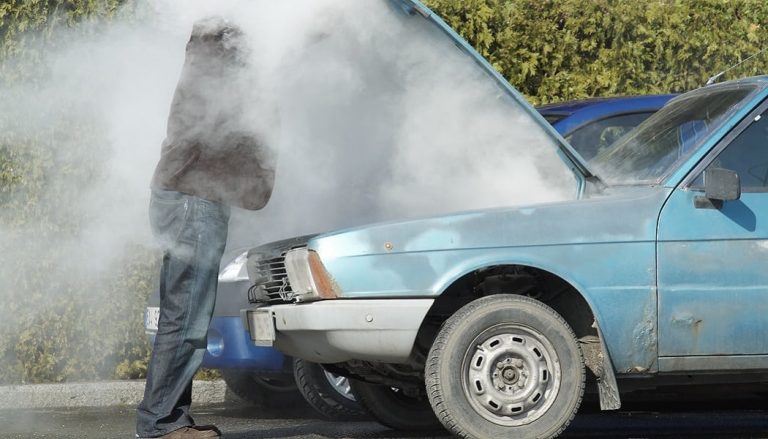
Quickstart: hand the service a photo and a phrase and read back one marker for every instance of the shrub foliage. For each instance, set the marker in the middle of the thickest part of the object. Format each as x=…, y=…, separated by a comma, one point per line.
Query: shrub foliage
x=569, y=49
x=59, y=320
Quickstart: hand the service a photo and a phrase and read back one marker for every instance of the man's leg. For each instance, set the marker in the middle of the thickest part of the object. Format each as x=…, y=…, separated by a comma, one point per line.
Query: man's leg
x=193, y=233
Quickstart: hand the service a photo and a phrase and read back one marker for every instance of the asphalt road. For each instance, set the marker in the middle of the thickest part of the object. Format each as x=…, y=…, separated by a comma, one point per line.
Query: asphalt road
x=743, y=418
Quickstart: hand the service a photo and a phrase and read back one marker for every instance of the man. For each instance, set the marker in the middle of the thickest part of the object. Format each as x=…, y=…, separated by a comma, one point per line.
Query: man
x=210, y=160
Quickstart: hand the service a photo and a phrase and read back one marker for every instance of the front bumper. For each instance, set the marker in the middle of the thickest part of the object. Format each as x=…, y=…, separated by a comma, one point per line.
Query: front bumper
x=334, y=331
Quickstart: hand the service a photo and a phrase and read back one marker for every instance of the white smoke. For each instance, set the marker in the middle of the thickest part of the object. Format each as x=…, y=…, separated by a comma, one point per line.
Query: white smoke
x=384, y=117
x=378, y=118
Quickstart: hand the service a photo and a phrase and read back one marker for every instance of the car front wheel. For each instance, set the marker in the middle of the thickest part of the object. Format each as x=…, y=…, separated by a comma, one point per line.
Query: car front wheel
x=505, y=366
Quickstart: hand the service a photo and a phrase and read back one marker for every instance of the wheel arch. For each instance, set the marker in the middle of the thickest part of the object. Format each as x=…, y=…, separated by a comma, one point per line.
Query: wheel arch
x=482, y=278
x=455, y=279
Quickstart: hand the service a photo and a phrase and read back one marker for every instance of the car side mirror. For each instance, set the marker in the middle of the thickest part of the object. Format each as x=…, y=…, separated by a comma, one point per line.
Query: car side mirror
x=719, y=185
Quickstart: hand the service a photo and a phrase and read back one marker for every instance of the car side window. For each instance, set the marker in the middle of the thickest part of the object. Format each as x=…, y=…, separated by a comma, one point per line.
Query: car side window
x=589, y=140
x=747, y=154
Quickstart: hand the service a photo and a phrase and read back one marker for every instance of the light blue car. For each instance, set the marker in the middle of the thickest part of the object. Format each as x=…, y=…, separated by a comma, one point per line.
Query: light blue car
x=492, y=322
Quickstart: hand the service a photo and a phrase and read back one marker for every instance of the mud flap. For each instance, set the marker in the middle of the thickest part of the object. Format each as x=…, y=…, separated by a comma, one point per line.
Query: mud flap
x=597, y=360
x=607, y=388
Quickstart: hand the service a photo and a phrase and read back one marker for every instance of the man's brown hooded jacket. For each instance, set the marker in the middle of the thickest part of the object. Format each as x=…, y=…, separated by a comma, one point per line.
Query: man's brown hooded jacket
x=210, y=151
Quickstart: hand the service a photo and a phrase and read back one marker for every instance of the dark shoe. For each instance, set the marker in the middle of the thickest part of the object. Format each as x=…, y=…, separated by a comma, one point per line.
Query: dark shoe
x=212, y=428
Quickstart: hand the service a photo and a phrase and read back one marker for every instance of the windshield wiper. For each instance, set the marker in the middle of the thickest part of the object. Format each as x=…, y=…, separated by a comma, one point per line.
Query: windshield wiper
x=595, y=186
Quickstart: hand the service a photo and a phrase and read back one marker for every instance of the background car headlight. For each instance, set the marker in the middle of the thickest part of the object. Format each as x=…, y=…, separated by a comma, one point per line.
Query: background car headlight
x=235, y=270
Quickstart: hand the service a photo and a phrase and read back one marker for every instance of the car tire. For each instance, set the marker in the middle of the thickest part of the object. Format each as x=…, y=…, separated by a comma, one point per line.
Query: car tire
x=393, y=408
x=505, y=366
x=329, y=394
x=269, y=392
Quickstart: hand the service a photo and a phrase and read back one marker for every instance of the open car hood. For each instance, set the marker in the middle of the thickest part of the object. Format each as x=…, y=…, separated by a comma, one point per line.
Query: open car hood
x=565, y=150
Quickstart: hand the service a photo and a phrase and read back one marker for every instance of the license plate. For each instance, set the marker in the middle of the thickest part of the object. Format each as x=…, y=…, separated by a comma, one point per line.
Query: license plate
x=262, y=328
x=151, y=317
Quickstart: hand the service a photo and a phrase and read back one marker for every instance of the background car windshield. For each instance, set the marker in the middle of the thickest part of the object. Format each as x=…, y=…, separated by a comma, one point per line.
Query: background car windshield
x=663, y=141
x=592, y=139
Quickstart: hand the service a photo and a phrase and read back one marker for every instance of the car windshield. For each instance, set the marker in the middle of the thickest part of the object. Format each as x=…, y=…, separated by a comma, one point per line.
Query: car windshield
x=666, y=139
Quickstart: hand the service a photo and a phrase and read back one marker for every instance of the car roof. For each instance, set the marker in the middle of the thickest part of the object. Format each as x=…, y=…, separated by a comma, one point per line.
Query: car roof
x=596, y=108
x=613, y=102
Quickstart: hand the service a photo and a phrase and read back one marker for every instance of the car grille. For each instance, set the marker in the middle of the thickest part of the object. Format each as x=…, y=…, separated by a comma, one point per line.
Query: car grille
x=272, y=285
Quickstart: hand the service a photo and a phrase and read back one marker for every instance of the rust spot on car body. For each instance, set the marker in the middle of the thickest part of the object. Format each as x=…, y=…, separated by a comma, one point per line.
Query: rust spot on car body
x=644, y=341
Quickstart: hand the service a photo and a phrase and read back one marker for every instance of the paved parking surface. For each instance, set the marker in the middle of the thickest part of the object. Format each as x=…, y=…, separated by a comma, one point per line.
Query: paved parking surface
x=747, y=418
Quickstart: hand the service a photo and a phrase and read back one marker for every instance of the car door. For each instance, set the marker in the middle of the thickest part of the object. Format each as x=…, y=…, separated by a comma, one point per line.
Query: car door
x=713, y=262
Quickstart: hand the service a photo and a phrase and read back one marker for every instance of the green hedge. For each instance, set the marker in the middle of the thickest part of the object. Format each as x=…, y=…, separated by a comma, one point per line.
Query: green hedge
x=56, y=326
x=27, y=25
x=61, y=320
x=58, y=321
x=569, y=49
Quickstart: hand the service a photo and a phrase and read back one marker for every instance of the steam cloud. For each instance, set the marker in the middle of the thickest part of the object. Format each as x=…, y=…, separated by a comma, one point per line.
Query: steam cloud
x=379, y=118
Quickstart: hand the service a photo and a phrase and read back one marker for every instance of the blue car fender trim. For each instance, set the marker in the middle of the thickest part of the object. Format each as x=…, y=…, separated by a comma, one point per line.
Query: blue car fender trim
x=613, y=303
x=600, y=363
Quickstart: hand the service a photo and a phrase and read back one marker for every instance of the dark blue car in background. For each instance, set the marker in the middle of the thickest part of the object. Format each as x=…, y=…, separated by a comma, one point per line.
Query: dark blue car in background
x=264, y=376
x=592, y=125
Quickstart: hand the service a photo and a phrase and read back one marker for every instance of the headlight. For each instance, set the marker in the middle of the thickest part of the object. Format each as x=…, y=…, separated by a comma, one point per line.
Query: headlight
x=308, y=277
x=235, y=270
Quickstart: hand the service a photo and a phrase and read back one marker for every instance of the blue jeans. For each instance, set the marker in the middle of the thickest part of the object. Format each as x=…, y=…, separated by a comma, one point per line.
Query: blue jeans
x=192, y=233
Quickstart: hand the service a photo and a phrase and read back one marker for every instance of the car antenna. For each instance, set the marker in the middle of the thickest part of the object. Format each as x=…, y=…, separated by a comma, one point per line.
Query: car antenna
x=714, y=79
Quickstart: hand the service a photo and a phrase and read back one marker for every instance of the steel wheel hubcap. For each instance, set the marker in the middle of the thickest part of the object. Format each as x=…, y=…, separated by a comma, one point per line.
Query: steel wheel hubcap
x=511, y=374
x=340, y=384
